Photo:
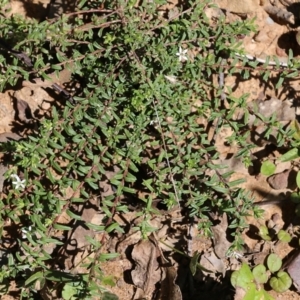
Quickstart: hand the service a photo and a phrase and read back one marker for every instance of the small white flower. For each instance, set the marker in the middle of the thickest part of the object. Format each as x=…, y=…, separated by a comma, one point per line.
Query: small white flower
x=18, y=183
x=153, y=122
x=25, y=231
x=182, y=54
x=236, y=255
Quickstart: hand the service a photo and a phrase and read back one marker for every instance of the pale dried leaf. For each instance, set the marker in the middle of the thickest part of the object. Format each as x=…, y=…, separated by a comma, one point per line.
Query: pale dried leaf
x=169, y=289
x=173, y=13
x=221, y=244
x=284, y=110
x=147, y=271
x=211, y=262
x=78, y=238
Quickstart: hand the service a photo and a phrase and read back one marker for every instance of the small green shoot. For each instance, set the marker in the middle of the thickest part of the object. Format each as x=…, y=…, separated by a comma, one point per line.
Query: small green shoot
x=264, y=233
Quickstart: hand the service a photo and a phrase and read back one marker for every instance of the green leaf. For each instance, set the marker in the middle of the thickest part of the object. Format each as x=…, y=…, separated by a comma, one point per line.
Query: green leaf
x=295, y=126
x=194, y=262
x=267, y=168
x=284, y=236
x=95, y=227
x=250, y=291
x=37, y=221
x=109, y=296
x=109, y=280
x=46, y=240
x=298, y=179
x=279, y=83
x=260, y=274
x=244, y=277
x=263, y=295
x=264, y=233
x=295, y=197
x=73, y=215
x=274, y=262
x=68, y=292
x=234, y=277
x=59, y=276
x=61, y=227
x=50, y=176
x=297, y=210
x=281, y=283
x=290, y=155
x=56, y=166
x=34, y=277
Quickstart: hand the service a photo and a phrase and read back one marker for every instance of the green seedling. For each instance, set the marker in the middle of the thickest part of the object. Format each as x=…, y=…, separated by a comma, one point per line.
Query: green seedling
x=282, y=235
x=264, y=233
x=253, y=281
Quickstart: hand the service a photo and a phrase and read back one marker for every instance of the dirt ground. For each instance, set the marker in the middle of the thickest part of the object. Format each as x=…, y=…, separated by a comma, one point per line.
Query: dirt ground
x=273, y=38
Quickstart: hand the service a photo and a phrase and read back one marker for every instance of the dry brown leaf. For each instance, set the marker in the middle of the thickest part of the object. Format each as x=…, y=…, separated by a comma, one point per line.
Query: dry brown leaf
x=3, y=169
x=23, y=110
x=294, y=270
x=9, y=136
x=280, y=14
x=221, y=244
x=169, y=289
x=284, y=110
x=78, y=236
x=147, y=271
x=211, y=262
x=232, y=164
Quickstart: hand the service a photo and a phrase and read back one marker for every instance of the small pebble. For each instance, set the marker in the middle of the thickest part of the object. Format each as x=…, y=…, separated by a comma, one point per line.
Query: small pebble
x=261, y=37
x=45, y=105
x=269, y=21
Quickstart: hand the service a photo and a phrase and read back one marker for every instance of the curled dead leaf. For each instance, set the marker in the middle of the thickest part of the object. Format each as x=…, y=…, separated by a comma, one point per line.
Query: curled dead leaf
x=147, y=271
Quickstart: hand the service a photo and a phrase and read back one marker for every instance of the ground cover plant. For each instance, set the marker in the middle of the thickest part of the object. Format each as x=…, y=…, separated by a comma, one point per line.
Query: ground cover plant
x=126, y=161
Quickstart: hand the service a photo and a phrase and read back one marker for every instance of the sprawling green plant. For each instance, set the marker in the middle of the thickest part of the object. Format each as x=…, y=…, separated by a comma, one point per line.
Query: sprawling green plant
x=145, y=83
